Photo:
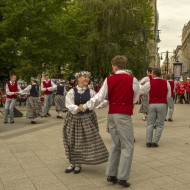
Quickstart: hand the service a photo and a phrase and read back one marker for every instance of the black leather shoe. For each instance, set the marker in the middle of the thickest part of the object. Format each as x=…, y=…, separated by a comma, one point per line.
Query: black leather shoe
x=59, y=117
x=155, y=145
x=48, y=114
x=112, y=179
x=5, y=122
x=123, y=183
x=165, y=119
x=170, y=120
x=12, y=122
x=148, y=145
x=77, y=170
x=69, y=169
x=33, y=122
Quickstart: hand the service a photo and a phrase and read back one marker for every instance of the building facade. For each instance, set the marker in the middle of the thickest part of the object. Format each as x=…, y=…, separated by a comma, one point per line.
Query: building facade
x=154, y=59
x=183, y=51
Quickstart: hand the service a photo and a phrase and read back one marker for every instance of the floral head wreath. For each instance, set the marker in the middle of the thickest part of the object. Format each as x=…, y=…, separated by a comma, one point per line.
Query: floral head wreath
x=129, y=71
x=82, y=73
x=34, y=79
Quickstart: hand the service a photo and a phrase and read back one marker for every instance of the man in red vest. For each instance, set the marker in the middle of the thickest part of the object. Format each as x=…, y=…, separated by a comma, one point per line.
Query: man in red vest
x=159, y=89
x=47, y=86
x=12, y=89
x=187, y=88
x=145, y=97
x=122, y=91
x=170, y=100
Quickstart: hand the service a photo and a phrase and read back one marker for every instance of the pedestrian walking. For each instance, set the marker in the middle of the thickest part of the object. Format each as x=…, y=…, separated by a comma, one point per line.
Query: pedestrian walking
x=82, y=141
x=187, y=89
x=180, y=89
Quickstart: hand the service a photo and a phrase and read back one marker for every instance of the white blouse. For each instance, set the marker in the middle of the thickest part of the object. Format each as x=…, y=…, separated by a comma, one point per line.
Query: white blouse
x=69, y=102
x=27, y=89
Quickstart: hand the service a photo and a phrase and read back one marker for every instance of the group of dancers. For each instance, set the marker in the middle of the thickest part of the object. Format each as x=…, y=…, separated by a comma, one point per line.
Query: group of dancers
x=82, y=141
x=182, y=90
x=83, y=144
x=33, y=102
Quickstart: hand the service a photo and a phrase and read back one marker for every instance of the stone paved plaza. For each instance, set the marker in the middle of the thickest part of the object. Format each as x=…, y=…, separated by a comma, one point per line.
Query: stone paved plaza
x=32, y=156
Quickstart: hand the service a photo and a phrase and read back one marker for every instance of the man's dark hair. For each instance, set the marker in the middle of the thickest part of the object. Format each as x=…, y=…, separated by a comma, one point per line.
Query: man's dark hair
x=120, y=61
x=168, y=77
x=12, y=75
x=150, y=69
x=157, y=72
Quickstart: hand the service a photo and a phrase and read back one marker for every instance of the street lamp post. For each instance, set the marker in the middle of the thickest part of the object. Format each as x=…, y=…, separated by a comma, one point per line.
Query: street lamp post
x=144, y=33
x=167, y=60
x=157, y=40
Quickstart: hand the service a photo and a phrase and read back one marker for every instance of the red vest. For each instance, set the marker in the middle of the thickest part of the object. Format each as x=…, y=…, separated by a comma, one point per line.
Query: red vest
x=172, y=88
x=12, y=88
x=158, y=91
x=120, y=94
x=150, y=77
x=47, y=85
x=187, y=87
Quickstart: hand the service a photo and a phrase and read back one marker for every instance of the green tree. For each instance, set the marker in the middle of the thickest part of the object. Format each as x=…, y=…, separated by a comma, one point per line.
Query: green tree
x=27, y=44
x=116, y=28
x=61, y=36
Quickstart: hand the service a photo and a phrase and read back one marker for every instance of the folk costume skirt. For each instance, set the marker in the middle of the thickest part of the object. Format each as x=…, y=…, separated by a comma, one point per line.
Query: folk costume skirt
x=33, y=107
x=82, y=141
x=144, y=104
x=59, y=103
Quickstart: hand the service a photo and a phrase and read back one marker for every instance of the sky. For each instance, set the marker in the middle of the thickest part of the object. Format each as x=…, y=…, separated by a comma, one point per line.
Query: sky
x=173, y=15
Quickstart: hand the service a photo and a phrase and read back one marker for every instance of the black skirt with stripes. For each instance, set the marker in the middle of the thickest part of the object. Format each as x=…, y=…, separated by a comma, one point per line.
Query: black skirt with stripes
x=82, y=141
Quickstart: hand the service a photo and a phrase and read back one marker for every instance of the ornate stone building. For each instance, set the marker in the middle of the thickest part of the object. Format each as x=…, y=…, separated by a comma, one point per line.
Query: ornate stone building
x=183, y=50
x=154, y=59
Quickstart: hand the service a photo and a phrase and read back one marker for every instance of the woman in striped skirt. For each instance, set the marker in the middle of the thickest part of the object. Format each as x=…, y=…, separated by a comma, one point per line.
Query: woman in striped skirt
x=33, y=104
x=59, y=99
x=82, y=141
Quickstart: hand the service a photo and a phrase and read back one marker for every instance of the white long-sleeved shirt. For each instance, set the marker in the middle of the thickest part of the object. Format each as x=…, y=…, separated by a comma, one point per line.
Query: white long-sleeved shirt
x=27, y=89
x=174, y=86
x=103, y=93
x=8, y=91
x=146, y=88
x=69, y=101
x=144, y=80
x=52, y=88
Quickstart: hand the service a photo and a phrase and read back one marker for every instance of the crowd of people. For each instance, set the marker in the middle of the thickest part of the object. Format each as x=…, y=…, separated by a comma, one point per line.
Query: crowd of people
x=121, y=91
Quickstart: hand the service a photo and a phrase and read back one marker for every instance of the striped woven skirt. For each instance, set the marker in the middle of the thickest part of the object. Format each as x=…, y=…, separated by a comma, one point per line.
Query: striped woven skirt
x=82, y=141
x=144, y=104
x=33, y=107
x=59, y=103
